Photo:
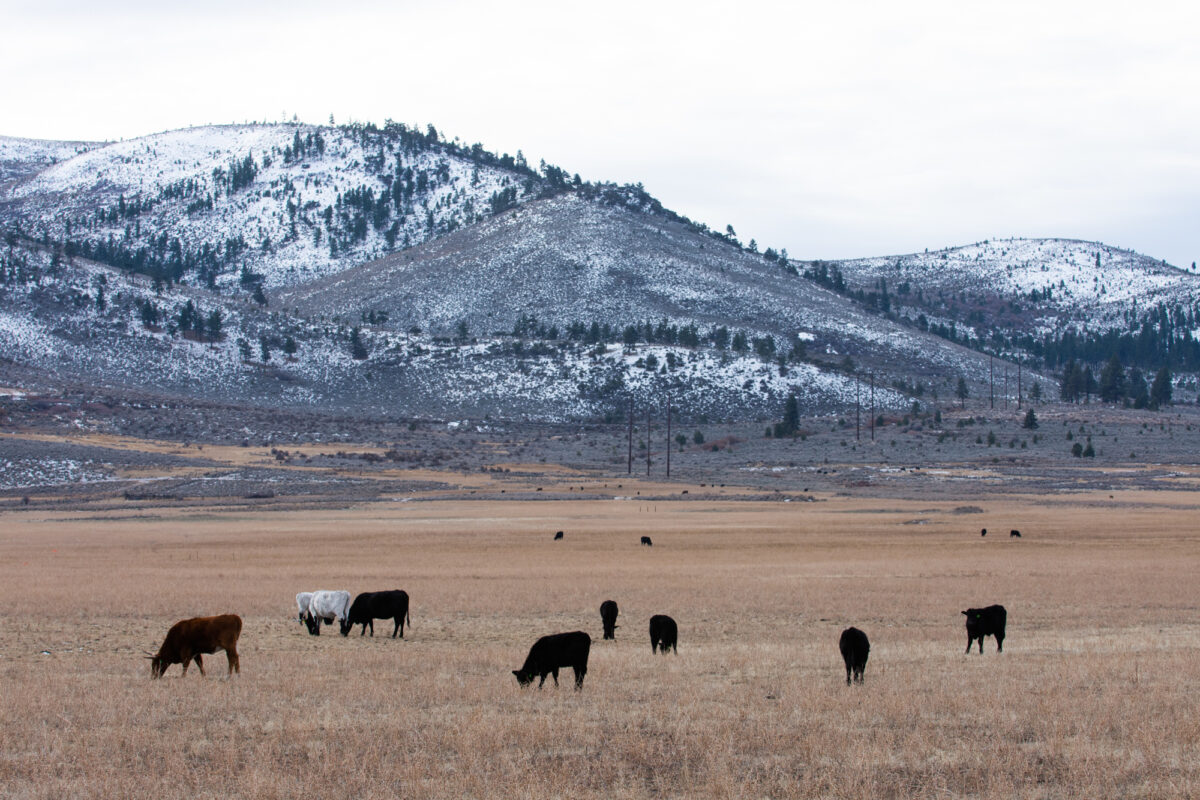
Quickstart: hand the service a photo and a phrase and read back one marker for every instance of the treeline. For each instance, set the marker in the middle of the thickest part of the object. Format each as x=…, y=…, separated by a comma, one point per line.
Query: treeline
x=1116, y=384
x=720, y=337
x=1154, y=338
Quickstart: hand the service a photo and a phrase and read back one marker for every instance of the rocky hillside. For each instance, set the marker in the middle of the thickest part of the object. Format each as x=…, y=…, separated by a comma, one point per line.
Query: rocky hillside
x=1051, y=299
x=386, y=270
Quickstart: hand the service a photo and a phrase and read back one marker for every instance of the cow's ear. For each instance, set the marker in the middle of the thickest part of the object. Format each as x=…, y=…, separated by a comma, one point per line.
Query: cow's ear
x=517, y=673
x=964, y=612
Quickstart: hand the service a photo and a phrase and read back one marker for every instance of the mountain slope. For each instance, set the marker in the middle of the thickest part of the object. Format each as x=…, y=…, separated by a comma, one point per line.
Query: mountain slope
x=419, y=276
x=22, y=158
x=570, y=259
x=278, y=203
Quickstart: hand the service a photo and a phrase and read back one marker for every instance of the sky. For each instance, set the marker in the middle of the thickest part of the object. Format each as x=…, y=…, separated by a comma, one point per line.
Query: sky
x=834, y=130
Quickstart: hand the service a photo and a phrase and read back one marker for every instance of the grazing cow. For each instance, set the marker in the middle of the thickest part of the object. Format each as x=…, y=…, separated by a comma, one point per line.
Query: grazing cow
x=854, y=647
x=646, y=541
x=302, y=601
x=983, y=532
x=983, y=622
x=370, y=606
x=664, y=634
x=558, y=536
x=189, y=638
x=608, y=616
x=551, y=653
x=326, y=606
x=1014, y=533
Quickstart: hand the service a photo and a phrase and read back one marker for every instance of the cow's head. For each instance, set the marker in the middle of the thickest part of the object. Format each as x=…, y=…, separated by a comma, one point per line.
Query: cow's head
x=523, y=677
x=345, y=627
x=313, y=625
x=158, y=665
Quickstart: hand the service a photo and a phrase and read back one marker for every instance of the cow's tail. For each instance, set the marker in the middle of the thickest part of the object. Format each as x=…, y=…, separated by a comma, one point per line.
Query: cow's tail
x=408, y=617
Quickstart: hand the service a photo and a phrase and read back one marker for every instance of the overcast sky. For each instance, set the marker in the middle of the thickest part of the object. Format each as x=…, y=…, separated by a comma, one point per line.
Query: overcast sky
x=834, y=130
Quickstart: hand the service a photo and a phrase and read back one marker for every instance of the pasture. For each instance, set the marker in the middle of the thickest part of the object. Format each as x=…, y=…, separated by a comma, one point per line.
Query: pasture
x=1094, y=695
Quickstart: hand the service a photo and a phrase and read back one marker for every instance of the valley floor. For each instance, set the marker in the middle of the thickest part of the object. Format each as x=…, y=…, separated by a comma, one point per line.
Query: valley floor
x=1092, y=696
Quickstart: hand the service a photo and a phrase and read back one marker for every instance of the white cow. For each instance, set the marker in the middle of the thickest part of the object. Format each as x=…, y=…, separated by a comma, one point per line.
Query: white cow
x=328, y=606
x=302, y=601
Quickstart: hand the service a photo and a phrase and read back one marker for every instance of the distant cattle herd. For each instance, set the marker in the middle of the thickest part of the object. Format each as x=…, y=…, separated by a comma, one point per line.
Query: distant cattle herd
x=188, y=639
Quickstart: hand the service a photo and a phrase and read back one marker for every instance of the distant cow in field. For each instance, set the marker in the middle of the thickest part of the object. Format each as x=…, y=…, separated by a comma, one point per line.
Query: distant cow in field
x=1015, y=533
x=190, y=638
x=646, y=541
x=370, y=606
x=554, y=652
x=302, y=601
x=854, y=647
x=608, y=616
x=983, y=622
x=326, y=606
x=983, y=532
x=558, y=536
x=664, y=634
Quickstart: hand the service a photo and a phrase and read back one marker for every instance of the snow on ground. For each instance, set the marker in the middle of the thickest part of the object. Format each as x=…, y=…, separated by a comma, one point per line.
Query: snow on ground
x=280, y=214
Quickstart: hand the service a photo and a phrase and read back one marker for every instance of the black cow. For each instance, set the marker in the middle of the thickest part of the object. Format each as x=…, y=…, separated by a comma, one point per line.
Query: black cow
x=370, y=606
x=551, y=653
x=608, y=616
x=983, y=622
x=646, y=541
x=558, y=536
x=1015, y=533
x=854, y=647
x=664, y=634
x=983, y=532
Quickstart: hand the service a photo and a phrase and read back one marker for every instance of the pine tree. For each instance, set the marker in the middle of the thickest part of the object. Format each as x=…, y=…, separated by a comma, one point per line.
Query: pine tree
x=1112, y=381
x=1160, y=390
x=213, y=325
x=358, y=350
x=961, y=391
x=1136, y=391
x=1030, y=422
x=289, y=346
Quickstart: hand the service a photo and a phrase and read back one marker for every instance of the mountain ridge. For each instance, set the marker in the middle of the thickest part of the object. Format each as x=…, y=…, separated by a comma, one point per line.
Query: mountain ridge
x=518, y=290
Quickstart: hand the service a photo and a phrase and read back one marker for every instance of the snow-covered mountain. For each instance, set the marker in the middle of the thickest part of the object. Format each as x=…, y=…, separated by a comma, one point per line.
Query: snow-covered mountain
x=284, y=203
x=387, y=270
x=21, y=158
x=1042, y=285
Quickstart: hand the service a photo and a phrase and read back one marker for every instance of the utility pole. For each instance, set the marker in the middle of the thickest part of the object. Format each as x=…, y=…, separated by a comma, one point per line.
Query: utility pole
x=1018, y=381
x=1006, y=386
x=647, y=441
x=872, y=374
x=630, y=471
x=857, y=409
x=668, y=436
x=991, y=383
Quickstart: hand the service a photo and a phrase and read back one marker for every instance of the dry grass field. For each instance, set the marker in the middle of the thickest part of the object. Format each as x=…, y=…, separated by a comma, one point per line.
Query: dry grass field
x=1094, y=696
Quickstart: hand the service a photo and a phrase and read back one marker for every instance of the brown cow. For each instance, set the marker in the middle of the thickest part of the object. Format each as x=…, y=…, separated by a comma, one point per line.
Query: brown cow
x=188, y=638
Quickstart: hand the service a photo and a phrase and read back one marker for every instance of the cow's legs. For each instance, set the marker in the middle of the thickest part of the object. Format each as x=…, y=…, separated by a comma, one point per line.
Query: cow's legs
x=970, y=642
x=579, y=673
x=200, y=664
x=543, y=680
x=234, y=664
x=555, y=673
x=999, y=644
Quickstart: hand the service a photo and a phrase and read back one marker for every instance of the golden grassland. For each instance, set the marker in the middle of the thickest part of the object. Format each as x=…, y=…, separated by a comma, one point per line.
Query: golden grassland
x=1094, y=696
